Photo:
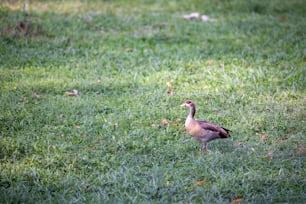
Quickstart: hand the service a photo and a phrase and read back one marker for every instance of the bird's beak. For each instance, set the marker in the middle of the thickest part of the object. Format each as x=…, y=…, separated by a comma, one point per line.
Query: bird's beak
x=183, y=105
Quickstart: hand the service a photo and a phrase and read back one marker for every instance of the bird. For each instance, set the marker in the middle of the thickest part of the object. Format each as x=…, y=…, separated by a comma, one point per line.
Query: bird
x=201, y=130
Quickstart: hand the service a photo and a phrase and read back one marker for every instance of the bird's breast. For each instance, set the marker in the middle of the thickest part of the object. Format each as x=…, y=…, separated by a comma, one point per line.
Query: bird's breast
x=193, y=128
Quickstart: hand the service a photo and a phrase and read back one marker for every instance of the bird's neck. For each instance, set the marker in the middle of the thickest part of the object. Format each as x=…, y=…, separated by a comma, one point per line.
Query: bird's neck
x=192, y=111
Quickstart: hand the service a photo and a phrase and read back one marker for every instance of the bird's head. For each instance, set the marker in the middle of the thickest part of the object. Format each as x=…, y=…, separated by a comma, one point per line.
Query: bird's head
x=187, y=103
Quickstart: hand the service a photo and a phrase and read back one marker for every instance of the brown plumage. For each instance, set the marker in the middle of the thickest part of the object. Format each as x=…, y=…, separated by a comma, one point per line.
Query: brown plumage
x=201, y=130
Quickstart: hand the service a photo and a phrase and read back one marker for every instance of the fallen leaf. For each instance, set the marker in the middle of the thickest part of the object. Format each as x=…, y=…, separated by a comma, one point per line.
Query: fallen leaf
x=304, y=59
x=269, y=156
x=98, y=141
x=192, y=16
x=74, y=92
x=237, y=144
x=61, y=116
x=196, y=15
x=128, y=49
x=169, y=84
x=165, y=122
x=283, y=18
x=35, y=95
x=91, y=149
x=264, y=137
x=285, y=66
x=170, y=92
x=282, y=139
x=205, y=18
x=209, y=62
x=77, y=127
x=23, y=25
x=237, y=199
x=87, y=187
x=200, y=182
x=301, y=150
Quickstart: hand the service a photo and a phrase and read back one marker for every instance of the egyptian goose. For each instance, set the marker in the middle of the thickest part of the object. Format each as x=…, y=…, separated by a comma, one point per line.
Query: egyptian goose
x=203, y=131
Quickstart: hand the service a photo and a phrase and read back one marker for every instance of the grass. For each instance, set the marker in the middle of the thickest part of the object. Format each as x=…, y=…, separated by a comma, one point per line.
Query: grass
x=245, y=72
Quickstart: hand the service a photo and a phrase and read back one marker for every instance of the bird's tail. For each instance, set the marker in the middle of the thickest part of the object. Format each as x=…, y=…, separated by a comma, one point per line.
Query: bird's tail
x=227, y=131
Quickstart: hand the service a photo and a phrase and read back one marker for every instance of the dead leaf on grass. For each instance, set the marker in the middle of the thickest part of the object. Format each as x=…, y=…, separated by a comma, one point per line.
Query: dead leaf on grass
x=210, y=62
x=25, y=28
x=74, y=92
x=264, y=137
x=128, y=49
x=191, y=16
x=170, y=92
x=301, y=150
x=169, y=122
x=269, y=156
x=35, y=95
x=205, y=18
x=169, y=83
x=19, y=29
x=237, y=144
x=282, y=139
x=169, y=86
x=283, y=18
x=199, y=183
x=60, y=116
x=165, y=122
x=91, y=149
x=98, y=141
x=237, y=199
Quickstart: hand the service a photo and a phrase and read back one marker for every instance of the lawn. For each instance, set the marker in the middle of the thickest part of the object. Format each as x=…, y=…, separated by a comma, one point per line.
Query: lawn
x=133, y=62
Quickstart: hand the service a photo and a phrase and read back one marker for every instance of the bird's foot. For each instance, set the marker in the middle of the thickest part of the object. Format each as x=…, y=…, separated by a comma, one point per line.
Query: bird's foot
x=204, y=149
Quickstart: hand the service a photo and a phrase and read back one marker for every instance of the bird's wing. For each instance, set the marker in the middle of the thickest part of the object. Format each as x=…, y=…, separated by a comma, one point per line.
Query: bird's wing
x=213, y=127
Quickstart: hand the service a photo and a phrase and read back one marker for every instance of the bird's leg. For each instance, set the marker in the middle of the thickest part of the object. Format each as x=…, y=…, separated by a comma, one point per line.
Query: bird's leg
x=204, y=149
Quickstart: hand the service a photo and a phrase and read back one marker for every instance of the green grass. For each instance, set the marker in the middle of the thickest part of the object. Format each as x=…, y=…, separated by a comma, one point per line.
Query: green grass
x=245, y=72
